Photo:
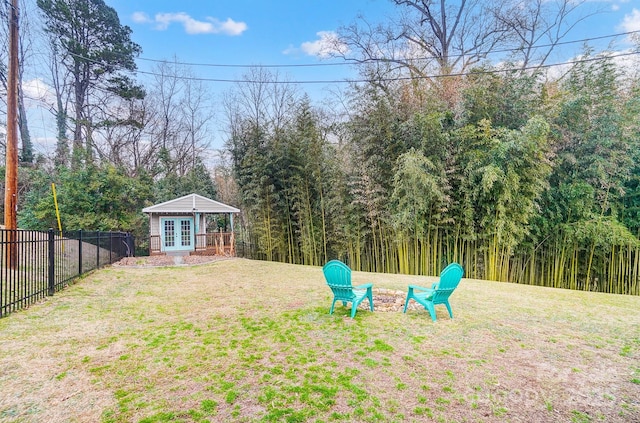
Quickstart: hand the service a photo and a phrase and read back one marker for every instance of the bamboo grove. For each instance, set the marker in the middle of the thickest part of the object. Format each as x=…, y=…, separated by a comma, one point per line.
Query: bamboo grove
x=516, y=176
x=520, y=171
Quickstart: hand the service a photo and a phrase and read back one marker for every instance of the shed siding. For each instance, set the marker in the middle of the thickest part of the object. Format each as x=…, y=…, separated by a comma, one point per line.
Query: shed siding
x=183, y=204
x=155, y=225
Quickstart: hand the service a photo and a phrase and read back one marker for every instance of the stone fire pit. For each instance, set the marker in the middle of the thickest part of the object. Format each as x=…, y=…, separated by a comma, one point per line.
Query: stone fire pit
x=389, y=300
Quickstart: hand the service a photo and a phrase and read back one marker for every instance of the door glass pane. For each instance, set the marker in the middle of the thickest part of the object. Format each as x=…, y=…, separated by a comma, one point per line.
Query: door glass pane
x=169, y=233
x=185, y=227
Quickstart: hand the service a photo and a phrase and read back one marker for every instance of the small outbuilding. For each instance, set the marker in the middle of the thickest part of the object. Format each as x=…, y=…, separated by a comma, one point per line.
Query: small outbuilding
x=180, y=227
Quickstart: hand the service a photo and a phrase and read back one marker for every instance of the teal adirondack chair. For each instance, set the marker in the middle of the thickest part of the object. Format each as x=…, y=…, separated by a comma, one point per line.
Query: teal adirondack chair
x=338, y=276
x=439, y=292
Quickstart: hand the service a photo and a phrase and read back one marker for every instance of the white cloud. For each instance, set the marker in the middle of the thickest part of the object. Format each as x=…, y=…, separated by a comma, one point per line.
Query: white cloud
x=231, y=27
x=38, y=91
x=191, y=25
x=631, y=21
x=327, y=44
x=141, y=17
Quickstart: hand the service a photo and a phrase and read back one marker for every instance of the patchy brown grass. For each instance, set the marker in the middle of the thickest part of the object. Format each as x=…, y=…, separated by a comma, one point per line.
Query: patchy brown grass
x=245, y=341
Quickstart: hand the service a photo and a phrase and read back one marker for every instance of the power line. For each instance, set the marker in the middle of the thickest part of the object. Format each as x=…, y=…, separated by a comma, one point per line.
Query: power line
x=350, y=62
x=404, y=78
x=391, y=79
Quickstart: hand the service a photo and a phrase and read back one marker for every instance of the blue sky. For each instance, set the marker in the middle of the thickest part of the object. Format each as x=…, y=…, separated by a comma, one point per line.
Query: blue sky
x=289, y=32
x=245, y=32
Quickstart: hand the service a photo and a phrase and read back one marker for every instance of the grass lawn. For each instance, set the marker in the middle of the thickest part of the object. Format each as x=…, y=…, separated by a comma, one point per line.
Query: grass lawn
x=245, y=341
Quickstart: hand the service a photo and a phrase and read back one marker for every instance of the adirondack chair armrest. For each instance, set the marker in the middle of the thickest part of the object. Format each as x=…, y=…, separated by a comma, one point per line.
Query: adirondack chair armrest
x=421, y=288
x=364, y=286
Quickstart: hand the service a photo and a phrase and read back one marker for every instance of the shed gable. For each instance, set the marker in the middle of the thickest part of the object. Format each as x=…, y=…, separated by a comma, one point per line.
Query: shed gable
x=191, y=203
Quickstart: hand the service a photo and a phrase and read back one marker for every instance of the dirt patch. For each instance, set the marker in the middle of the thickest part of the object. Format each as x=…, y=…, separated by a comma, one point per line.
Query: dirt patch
x=161, y=261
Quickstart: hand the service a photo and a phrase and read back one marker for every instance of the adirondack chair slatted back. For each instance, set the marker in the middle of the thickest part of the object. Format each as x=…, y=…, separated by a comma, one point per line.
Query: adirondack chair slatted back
x=338, y=276
x=439, y=292
x=449, y=280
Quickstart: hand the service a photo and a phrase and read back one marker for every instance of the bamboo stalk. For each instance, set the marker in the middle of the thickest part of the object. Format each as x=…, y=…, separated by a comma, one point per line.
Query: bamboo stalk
x=636, y=273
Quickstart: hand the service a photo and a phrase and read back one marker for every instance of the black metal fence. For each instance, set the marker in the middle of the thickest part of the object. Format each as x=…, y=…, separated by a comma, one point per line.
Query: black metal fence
x=36, y=264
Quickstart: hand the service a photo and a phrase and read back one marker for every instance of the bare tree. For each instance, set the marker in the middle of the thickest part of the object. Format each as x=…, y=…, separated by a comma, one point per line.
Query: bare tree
x=433, y=43
x=423, y=45
x=537, y=27
x=264, y=100
x=178, y=112
x=24, y=54
x=166, y=91
x=60, y=78
x=428, y=36
x=455, y=35
x=197, y=112
x=119, y=136
x=251, y=97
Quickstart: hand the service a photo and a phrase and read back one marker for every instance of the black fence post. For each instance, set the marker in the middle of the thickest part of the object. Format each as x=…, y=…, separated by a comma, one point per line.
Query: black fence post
x=52, y=261
x=98, y=250
x=110, y=247
x=80, y=252
x=131, y=245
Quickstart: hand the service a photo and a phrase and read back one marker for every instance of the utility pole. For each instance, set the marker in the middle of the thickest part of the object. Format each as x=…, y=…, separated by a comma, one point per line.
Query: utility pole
x=11, y=175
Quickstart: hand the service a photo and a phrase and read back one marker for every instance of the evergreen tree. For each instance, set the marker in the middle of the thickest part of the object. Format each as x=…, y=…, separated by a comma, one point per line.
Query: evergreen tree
x=96, y=50
x=92, y=198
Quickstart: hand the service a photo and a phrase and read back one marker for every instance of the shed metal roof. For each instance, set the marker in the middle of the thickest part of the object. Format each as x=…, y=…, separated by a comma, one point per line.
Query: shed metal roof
x=189, y=204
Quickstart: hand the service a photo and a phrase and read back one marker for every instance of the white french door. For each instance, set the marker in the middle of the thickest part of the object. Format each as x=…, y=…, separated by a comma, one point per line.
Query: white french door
x=177, y=234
